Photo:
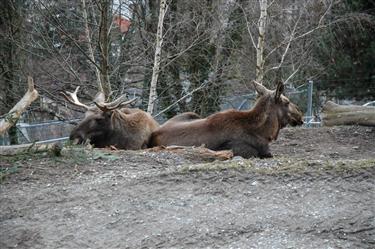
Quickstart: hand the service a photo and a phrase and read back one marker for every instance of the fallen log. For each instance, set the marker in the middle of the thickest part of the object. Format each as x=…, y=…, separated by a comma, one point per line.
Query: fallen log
x=10, y=150
x=334, y=114
x=15, y=113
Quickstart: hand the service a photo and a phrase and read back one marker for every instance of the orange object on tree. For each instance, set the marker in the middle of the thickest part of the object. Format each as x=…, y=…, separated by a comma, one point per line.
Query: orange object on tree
x=122, y=22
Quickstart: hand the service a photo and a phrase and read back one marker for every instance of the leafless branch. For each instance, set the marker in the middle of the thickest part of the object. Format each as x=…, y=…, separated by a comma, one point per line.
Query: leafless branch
x=247, y=25
x=204, y=84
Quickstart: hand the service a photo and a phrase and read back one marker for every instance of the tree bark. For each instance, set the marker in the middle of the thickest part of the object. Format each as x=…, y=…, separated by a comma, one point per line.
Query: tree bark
x=261, y=40
x=334, y=114
x=104, y=47
x=14, y=114
x=156, y=68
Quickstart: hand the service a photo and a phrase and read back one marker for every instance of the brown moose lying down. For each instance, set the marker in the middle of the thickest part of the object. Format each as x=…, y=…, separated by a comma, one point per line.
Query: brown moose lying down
x=106, y=124
x=246, y=133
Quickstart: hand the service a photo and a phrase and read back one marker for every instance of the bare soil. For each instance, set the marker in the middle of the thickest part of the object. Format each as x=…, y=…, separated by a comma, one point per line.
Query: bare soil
x=317, y=192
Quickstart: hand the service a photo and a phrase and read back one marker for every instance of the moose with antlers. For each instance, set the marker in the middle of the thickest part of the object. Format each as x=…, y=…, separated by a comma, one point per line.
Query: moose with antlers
x=246, y=133
x=108, y=124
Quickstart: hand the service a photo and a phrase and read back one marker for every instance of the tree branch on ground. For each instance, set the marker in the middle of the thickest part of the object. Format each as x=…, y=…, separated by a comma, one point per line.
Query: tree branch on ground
x=15, y=113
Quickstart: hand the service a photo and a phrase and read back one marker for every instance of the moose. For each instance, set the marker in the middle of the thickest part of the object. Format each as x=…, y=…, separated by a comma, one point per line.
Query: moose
x=109, y=124
x=246, y=133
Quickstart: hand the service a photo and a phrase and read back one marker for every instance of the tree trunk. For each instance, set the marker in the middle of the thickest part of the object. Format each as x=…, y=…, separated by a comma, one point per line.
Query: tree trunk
x=261, y=39
x=334, y=114
x=156, y=68
x=104, y=41
x=90, y=49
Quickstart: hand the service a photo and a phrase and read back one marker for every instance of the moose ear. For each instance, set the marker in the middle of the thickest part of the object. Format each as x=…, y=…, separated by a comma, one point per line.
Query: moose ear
x=259, y=88
x=279, y=90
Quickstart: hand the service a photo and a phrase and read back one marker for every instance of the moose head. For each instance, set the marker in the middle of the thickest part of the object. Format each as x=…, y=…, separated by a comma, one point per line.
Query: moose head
x=99, y=124
x=287, y=112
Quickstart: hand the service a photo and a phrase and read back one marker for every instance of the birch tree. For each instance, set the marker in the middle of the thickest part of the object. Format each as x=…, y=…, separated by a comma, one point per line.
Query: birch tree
x=261, y=38
x=157, y=58
x=288, y=26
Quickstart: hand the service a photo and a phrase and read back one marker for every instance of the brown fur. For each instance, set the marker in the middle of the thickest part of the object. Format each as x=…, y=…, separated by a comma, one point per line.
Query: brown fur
x=125, y=128
x=183, y=117
x=247, y=133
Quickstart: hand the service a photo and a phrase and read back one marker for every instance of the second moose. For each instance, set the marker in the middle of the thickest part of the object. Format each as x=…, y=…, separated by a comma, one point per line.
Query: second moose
x=246, y=133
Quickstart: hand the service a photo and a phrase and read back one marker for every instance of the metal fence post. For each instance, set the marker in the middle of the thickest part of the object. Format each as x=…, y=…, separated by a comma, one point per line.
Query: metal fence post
x=309, y=102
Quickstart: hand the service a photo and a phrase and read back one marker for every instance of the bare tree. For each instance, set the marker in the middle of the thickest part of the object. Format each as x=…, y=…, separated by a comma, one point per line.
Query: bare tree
x=288, y=26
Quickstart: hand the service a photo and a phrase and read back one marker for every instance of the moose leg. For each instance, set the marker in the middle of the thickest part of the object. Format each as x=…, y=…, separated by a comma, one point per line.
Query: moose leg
x=264, y=151
x=243, y=149
x=247, y=150
x=268, y=155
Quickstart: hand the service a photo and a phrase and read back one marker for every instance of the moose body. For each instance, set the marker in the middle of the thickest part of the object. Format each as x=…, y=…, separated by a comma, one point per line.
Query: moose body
x=246, y=133
x=108, y=125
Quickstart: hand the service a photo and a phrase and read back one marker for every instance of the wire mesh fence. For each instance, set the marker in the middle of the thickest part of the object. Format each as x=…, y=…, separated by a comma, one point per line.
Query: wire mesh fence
x=47, y=131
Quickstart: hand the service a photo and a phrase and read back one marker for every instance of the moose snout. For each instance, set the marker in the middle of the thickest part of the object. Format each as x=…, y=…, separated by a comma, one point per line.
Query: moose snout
x=297, y=122
x=295, y=116
x=295, y=119
x=76, y=138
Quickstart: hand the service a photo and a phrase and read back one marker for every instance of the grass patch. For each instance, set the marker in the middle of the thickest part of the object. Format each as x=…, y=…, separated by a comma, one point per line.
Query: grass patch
x=5, y=172
x=69, y=155
x=13, y=164
x=283, y=166
x=83, y=155
x=217, y=166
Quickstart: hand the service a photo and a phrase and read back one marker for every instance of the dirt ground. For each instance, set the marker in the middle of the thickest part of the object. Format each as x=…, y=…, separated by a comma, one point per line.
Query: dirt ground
x=317, y=192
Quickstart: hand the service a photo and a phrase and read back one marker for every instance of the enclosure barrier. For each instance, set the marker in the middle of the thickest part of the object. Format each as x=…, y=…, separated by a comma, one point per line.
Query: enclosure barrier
x=27, y=133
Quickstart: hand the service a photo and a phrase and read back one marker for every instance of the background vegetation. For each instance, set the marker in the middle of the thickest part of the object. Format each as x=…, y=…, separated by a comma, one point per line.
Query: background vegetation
x=209, y=50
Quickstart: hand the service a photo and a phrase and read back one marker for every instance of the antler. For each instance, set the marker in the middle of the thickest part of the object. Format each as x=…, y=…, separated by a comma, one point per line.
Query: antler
x=121, y=101
x=260, y=89
x=72, y=98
